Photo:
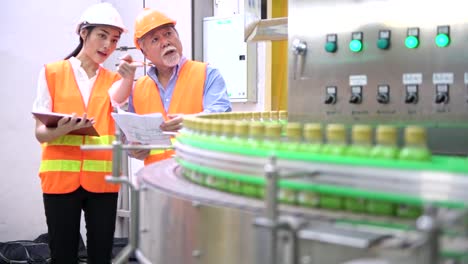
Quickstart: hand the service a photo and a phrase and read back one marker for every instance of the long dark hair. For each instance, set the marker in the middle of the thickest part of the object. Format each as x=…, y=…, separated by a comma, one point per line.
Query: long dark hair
x=80, y=45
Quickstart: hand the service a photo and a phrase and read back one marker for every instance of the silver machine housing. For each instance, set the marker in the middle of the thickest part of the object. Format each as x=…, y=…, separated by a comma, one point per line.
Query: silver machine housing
x=374, y=85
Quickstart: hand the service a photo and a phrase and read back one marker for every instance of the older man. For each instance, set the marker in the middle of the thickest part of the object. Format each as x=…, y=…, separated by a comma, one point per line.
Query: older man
x=174, y=86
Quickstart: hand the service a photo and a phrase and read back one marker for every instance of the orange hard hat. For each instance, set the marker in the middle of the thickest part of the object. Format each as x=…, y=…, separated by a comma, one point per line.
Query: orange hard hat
x=148, y=20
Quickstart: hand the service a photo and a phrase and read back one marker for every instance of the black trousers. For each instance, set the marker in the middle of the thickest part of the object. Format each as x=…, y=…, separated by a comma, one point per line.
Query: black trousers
x=63, y=214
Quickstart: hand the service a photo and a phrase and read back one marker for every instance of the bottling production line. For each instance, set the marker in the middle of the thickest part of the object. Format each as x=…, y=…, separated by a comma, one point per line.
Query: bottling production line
x=367, y=165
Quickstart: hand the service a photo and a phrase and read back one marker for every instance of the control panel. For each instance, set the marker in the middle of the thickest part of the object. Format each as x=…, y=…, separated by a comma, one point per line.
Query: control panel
x=397, y=62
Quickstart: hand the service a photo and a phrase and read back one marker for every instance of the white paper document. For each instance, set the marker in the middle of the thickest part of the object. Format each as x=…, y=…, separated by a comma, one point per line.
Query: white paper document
x=142, y=128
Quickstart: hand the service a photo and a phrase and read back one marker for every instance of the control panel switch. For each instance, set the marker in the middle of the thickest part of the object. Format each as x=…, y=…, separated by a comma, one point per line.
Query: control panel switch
x=383, y=41
x=412, y=38
x=331, y=43
x=411, y=94
x=355, y=45
x=356, y=95
x=442, y=94
x=330, y=95
x=383, y=94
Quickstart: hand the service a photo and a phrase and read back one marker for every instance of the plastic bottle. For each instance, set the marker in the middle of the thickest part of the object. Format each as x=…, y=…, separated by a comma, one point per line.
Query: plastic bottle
x=272, y=139
x=256, y=132
x=216, y=130
x=385, y=148
x=336, y=140
x=247, y=116
x=227, y=131
x=293, y=137
x=283, y=117
x=386, y=143
x=265, y=117
x=274, y=116
x=256, y=116
x=415, y=145
x=313, y=138
x=254, y=142
x=239, y=140
x=361, y=137
x=241, y=133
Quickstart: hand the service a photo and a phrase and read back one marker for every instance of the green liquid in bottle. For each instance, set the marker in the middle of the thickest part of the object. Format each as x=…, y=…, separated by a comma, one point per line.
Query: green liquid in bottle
x=313, y=140
x=361, y=136
x=336, y=140
x=415, y=145
x=386, y=147
x=293, y=137
x=308, y=199
x=287, y=196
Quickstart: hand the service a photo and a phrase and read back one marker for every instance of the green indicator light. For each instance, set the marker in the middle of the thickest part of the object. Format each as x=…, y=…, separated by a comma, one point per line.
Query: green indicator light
x=411, y=42
x=442, y=40
x=330, y=47
x=383, y=43
x=355, y=45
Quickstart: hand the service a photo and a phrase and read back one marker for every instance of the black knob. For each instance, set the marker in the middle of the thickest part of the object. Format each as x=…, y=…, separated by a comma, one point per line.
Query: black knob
x=330, y=99
x=382, y=98
x=355, y=99
x=441, y=98
x=411, y=98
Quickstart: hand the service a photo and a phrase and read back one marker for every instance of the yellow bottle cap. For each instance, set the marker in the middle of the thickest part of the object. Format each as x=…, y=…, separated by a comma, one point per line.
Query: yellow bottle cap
x=313, y=132
x=256, y=129
x=336, y=132
x=265, y=116
x=241, y=128
x=206, y=125
x=273, y=130
x=294, y=131
x=197, y=124
x=216, y=127
x=283, y=115
x=415, y=135
x=247, y=116
x=274, y=115
x=256, y=116
x=361, y=134
x=386, y=135
x=227, y=127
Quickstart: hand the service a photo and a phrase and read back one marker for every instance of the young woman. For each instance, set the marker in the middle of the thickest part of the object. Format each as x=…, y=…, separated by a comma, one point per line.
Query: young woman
x=73, y=180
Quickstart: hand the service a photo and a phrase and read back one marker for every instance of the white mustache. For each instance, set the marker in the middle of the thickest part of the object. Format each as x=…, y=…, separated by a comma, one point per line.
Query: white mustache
x=168, y=49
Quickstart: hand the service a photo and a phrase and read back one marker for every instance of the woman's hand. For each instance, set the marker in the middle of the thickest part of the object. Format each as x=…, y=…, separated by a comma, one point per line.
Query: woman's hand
x=126, y=68
x=68, y=124
x=64, y=126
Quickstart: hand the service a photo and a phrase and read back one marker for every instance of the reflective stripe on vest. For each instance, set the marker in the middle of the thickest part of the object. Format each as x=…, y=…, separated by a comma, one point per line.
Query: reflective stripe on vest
x=75, y=166
x=97, y=166
x=60, y=165
x=72, y=140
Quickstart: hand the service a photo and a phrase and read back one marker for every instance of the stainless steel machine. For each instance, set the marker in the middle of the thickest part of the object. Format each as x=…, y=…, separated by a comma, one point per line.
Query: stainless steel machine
x=351, y=62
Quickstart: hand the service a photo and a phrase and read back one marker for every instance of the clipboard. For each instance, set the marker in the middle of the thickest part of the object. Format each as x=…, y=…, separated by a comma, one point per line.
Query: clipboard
x=51, y=120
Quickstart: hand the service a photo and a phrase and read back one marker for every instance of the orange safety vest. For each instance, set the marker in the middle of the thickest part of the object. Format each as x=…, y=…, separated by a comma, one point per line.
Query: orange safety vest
x=186, y=99
x=64, y=166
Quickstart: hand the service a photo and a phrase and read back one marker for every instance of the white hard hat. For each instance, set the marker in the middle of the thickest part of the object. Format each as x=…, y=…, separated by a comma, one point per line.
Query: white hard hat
x=101, y=14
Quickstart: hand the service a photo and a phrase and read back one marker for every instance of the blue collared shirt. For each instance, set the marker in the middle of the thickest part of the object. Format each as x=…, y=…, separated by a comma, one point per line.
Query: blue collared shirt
x=215, y=97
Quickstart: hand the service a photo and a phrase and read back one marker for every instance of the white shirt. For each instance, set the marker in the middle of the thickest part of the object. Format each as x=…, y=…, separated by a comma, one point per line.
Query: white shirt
x=43, y=101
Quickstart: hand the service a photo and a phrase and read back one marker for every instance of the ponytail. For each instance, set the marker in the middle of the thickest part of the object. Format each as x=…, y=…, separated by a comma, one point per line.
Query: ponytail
x=80, y=45
x=76, y=51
